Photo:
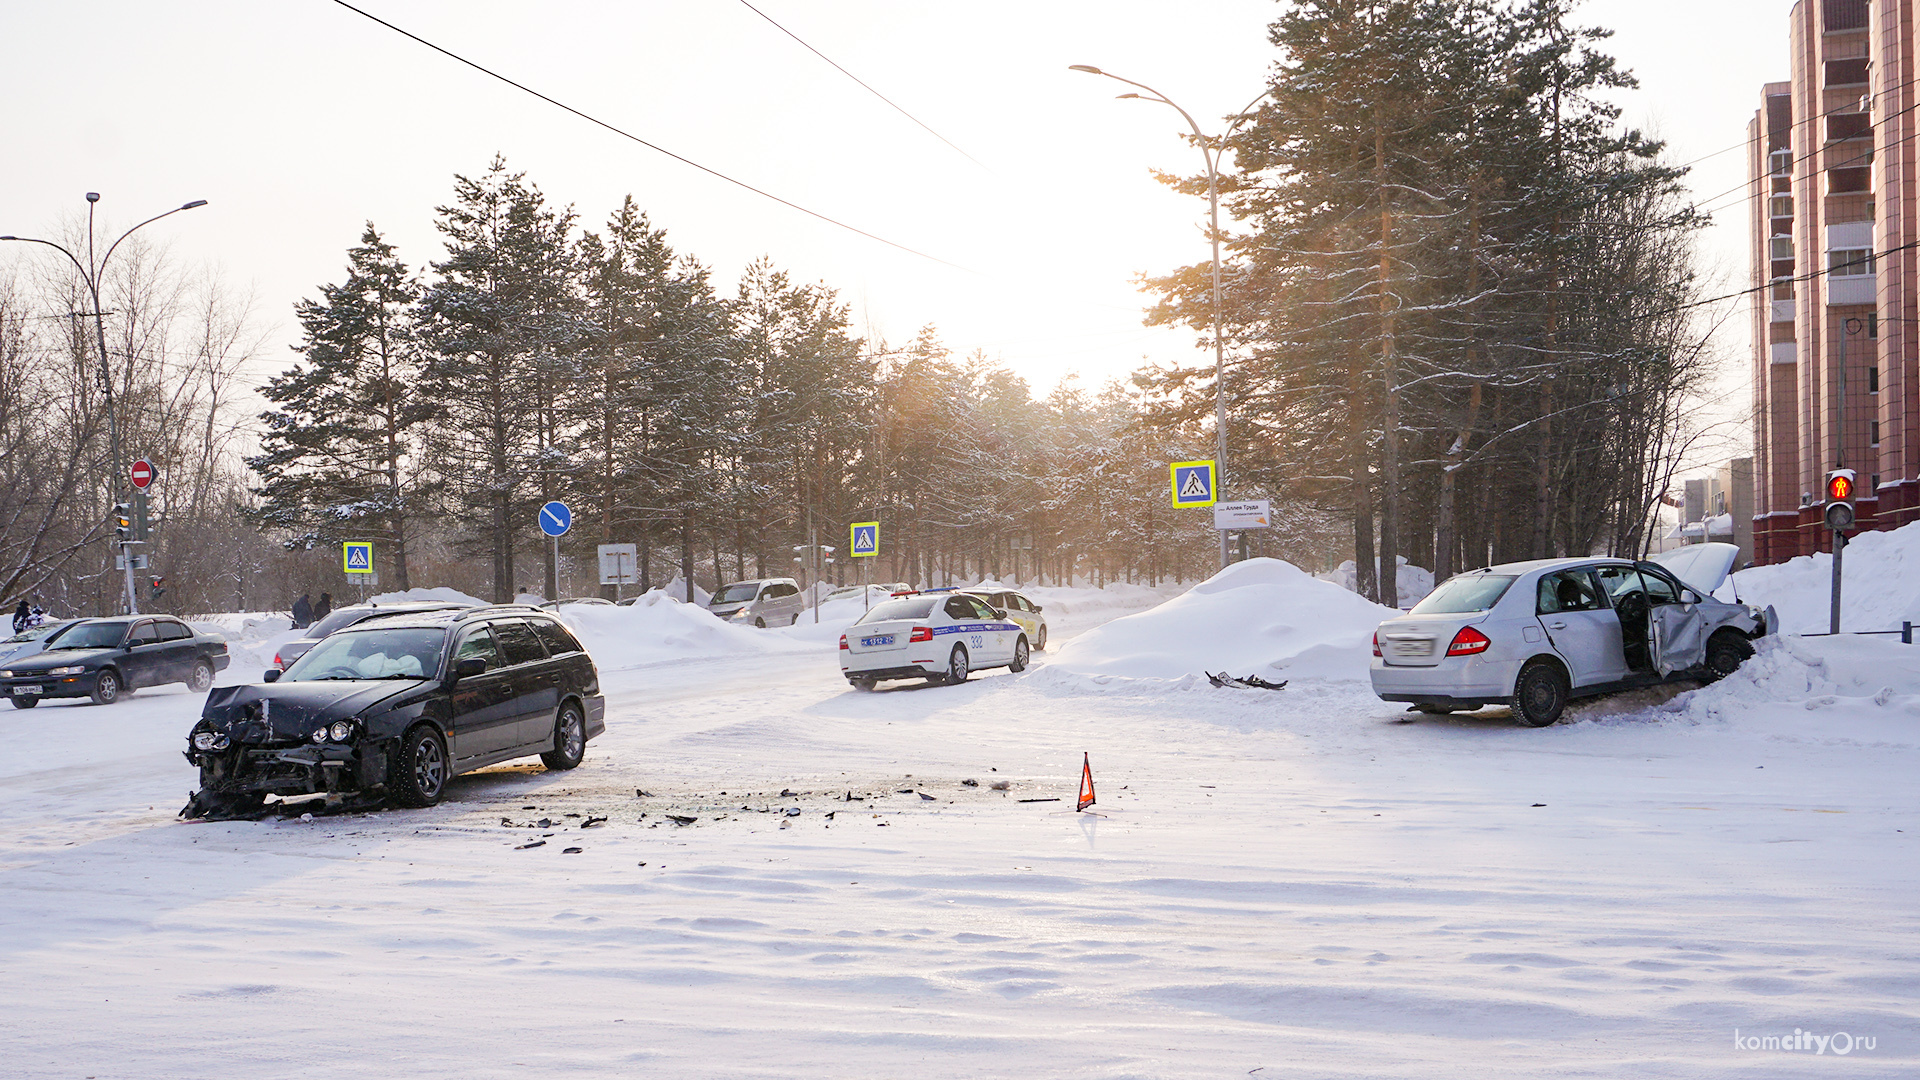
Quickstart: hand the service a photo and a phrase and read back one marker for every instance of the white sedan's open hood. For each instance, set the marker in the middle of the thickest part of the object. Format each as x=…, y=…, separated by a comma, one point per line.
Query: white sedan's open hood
x=1703, y=567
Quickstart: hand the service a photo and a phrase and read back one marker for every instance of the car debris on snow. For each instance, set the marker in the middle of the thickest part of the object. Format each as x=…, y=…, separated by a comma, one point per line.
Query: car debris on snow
x=1251, y=682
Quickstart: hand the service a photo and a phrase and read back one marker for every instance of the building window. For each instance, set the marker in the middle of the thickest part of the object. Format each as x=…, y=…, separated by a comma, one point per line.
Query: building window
x=1876, y=484
x=1783, y=290
x=1837, y=15
x=1847, y=72
x=1850, y=262
x=1844, y=126
x=1873, y=378
x=1873, y=327
x=1780, y=206
x=1874, y=427
x=1781, y=247
x=1849, y=181
x=1780, y=161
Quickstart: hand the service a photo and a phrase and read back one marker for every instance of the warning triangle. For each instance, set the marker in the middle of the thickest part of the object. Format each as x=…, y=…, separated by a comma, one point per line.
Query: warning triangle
x=1086, y=783
x=1195, y=485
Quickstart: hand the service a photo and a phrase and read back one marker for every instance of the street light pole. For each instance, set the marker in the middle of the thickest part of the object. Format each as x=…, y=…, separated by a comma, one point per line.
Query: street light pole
x=1210, y=149
x=91, y=273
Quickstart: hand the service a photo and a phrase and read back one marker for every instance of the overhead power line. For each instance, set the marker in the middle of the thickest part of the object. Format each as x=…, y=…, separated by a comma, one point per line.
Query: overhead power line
x=862, y=83
x=450, y=54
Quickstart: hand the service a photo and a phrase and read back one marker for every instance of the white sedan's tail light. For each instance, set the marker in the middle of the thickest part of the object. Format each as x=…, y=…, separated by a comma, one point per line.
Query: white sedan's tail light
x=921, y=633
x=1467, y=642
x=1376, y=643
x=843, y=641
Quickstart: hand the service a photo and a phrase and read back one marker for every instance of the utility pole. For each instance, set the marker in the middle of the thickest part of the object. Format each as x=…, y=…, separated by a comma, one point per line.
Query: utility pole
x=90, y=273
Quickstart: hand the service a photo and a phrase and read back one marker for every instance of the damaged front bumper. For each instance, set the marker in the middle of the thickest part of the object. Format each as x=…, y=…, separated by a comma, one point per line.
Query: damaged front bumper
x=236, y=781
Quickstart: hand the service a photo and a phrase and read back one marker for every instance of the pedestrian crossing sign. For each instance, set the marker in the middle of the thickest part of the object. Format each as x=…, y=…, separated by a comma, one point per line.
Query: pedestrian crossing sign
x=357, y=555
x=1193, y=483
x=866, y=539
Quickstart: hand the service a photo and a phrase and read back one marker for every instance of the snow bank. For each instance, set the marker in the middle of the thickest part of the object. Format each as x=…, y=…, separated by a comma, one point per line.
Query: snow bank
x=1413, y=582
x=1881, y=590
x=413, y=596
x=1861, y=689
x=656, y=629
x=1261, y=617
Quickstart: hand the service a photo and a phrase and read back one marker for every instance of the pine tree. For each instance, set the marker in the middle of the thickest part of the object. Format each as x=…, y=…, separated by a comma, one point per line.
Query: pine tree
x=338, y=459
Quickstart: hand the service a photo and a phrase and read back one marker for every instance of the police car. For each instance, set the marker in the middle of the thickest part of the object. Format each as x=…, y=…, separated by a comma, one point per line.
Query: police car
x=940, y=637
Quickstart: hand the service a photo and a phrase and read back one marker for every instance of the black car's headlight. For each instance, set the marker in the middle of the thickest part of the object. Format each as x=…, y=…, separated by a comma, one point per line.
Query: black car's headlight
x=71, y=669
x=211, y=740
x=339, y=731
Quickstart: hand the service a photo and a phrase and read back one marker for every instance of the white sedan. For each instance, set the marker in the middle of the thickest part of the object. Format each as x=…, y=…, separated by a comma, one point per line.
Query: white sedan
x=941, y=637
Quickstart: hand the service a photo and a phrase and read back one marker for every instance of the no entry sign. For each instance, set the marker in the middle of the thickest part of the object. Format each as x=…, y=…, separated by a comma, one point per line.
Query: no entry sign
x=142, y=473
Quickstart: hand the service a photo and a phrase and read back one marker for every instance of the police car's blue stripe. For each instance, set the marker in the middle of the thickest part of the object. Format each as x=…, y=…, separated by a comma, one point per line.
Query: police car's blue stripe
x=974, y=628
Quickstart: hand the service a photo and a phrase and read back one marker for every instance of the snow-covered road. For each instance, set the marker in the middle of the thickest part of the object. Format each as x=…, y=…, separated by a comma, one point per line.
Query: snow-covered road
x=1299, y=883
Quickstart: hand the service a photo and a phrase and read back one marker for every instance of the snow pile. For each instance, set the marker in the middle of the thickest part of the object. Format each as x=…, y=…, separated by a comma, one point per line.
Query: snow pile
x=656, y=629
x=1860, y=688
x=1261, y=617
x=1880, y=592
x=415, y=596
x=677, y=590
x=1413, y=582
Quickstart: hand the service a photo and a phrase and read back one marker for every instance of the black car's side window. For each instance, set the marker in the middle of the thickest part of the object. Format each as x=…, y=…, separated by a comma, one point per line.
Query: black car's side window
x=517, y=643
x=477, y=643
x=144, y=634
x=173, y=631
x=554, y=636
x=958, y=608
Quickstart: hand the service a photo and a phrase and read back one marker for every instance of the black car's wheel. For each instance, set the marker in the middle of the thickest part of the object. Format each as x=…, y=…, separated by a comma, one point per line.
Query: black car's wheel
x=957, y=669
x=865, y=686
x=1040, y=642
x=1539, y=694
x=569, y=739
x=759, y=623
x=106, y=687
x=23, y=701
x=200, y=679
x=1726, y=651
x=1019, y=655
x=419, y=774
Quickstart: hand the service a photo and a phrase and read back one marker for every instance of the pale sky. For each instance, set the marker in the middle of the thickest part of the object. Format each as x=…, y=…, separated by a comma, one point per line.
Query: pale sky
x=298, y=120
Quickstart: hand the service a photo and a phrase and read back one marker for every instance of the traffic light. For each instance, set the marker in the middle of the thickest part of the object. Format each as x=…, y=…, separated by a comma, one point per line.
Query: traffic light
x=122, y=521
x=157, y=587
x=1840, y=500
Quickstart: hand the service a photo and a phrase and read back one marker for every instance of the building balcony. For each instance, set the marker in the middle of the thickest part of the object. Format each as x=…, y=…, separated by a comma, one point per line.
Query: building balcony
x=1782, y=311
x=1852, y=289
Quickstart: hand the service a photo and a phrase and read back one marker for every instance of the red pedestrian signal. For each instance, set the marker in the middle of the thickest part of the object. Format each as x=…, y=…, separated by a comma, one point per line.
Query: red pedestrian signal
x=1839, y=511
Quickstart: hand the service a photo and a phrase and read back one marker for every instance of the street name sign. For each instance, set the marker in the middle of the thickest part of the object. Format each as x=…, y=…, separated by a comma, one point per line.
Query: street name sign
x=1250, y=514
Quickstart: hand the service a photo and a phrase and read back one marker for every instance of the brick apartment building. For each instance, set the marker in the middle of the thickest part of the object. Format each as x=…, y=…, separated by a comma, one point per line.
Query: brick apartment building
x=1835, y=215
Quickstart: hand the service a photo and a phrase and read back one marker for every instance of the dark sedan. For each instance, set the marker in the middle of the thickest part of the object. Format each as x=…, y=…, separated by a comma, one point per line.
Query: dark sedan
x=389, y=710
x=104, y=658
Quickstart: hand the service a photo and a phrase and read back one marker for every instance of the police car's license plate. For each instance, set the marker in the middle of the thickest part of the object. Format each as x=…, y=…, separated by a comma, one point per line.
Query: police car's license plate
x=880, y=639
x=34, y=688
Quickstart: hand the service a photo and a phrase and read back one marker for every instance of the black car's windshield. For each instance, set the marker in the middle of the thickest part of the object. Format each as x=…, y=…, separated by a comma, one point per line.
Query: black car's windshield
x=100, y=635
x=392, y=653
x=737, y=593
x=1466, y=592
x=912, y=607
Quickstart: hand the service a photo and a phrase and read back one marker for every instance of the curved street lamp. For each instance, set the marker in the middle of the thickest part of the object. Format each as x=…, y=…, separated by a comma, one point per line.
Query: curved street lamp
x=91, y=272
x=1210, y=149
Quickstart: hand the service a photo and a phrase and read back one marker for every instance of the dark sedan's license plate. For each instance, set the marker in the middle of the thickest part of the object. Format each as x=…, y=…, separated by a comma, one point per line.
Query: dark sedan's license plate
x=34, y=688
x=878, y=639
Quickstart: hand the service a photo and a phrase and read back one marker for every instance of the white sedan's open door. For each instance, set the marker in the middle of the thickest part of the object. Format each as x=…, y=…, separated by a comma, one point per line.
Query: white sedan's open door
x=1677, y=637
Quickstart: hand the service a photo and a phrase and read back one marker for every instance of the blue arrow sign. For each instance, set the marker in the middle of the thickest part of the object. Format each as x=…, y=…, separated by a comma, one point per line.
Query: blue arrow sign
x=555, y=518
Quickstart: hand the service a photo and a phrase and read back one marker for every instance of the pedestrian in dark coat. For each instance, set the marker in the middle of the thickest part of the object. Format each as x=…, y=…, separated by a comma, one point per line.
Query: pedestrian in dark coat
x=324, y=608
x=302, y=613
x=20, y=616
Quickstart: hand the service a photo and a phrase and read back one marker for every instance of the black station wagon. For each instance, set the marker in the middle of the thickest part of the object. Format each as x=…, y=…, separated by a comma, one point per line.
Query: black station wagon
x=391, y=709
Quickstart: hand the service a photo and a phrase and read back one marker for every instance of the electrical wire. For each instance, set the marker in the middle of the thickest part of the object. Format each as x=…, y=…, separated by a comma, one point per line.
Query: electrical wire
x=862, y=83
x=450, y=54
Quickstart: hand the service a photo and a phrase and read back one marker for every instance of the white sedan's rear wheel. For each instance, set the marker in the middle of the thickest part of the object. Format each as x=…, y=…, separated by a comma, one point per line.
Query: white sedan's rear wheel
x=957, y=668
